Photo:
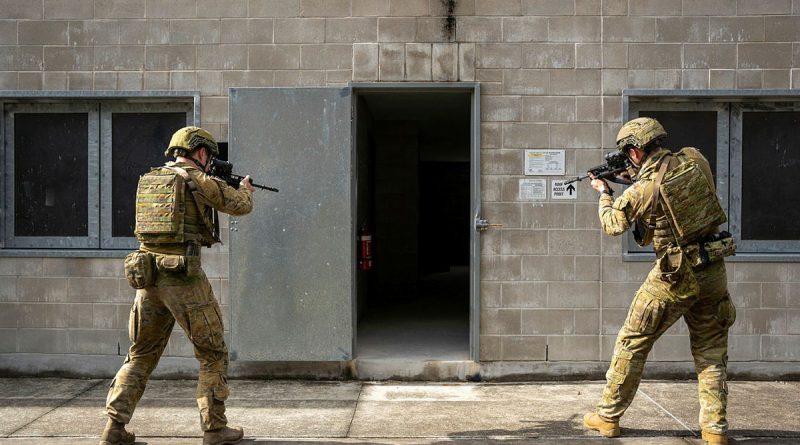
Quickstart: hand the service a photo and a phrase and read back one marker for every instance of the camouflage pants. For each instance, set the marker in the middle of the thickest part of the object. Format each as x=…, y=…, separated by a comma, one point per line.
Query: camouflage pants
x=702, y=299
x=152, y=318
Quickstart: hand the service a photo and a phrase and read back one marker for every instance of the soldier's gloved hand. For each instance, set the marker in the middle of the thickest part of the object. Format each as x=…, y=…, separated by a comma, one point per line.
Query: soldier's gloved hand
x=246, y=183
x=600, y=185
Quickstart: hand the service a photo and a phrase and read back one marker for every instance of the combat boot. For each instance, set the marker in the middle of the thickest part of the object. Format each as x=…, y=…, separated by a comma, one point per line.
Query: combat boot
x=715, y=438
x=115, y=434
x=223, y=436
x=607, y=428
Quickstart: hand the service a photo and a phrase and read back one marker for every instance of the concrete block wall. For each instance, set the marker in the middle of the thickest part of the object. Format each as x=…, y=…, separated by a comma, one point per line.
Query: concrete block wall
x=551, y=73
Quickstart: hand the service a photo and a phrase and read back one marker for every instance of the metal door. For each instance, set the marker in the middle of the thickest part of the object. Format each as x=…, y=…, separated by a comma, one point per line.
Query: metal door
x=291, y=259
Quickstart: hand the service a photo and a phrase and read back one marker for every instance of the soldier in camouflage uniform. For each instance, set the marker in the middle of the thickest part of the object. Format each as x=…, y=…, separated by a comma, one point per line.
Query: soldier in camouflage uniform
x=699, y=294
x=181, y=292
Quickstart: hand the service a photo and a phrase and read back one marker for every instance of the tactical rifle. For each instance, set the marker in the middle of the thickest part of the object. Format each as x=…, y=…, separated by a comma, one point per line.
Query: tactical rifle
x=224, y=170
x=616, y=162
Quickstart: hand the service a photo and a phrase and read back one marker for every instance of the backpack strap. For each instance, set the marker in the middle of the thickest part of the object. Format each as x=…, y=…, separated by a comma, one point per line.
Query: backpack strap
x=207, y=222
x=662, y=170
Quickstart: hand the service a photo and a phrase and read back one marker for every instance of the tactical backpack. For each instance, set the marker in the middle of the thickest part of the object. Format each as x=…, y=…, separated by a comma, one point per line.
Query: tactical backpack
x=689, y=201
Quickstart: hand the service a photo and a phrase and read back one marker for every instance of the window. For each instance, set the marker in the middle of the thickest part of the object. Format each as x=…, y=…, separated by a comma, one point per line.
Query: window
x=71, y=169
x=753, y=146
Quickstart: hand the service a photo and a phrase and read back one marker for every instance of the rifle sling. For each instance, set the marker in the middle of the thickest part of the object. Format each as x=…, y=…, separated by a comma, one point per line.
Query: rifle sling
x=209, y=225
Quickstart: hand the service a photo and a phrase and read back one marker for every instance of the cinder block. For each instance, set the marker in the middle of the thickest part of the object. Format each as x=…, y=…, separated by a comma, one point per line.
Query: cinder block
x=501, y=267
x=525, y=135
x=365, y=61
x=523, y=294
x=682, y=29
x=524, y=347
x=156, y=80
x=371, y=8
x=709, y=55
x=500, y=321
x=41, y=289
x=479, y=29
x=498, y=7
x=129, y=81
x=462, y=7
x=577, y=135
x=94, y=290
x=667, y=79
x=588, y=109
x=46, y=341
x=490, y=243
x=418, y=61
x=587, y=268
x=444, y=61
x=194, y=31
x=105, y=80
x=710, y=7
x=744, y=348
x=613, y=319
x=655, y=7
x=397, y=29
x=172, y=57
x=21, y=9
x=548, y=109
x=780, y=348
x=588, y=55
x=588, y=7
x=326, y=57
x=774, y=295
x=501, y=108
x=695, y=79
x=777, y=79
x=523, y=242
x=615, y=7
x=672, y=348
x=392, y=61
x=52, y=80
x=182, y=80
x=737, y=29
x=760, y=321
x=10, y=314
x=351, y=29
x=93, y=32
x=763, y=7
x=744, y=295
x=29, y=80
x=226, y=57
x=491, y=294
x=573, y=347
x=765, y=55
x=491, y=135
x=338, y=77
x=547, y=321
x=209, y=83
x=524, y=29
x=550, y=215
x=759, y=272
x=574, y=29
x=547, y=7
x=325, y=8
x=299, y=30
x=68, y=9
x=507, y=214
x=722, y=79
x=654, y=56
x=139, y=32
x=274, y=8
x=793, y=321
x=749, y=79
x=433, y=30
x=105, y=342
x=587, y=321
x=8, y=340
x=615, y=55
x=8, y=32
x=115, y=58
x=490, y=346
x=408, y=8
x=498, y=55
x=548, y=268
x=8, y=289
x=236, y=31
x=173, y=9
x=547, y=55
x=274, y=57
x=629, y=29
x=641, y=79
x=217, y=9
x=119, y=9
x=82, y=267
x=575, y=242
x=43, y=32
x=466, y=61
x=526, y=82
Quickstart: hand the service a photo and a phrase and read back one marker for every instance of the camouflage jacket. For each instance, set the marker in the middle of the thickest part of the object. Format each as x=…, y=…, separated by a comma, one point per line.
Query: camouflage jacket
x=617, y=216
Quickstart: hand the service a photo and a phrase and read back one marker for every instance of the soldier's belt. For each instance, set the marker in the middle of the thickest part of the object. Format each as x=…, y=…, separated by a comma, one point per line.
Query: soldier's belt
x=710, y=249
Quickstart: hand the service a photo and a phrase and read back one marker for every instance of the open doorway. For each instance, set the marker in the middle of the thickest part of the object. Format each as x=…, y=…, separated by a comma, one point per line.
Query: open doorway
x=413, y=196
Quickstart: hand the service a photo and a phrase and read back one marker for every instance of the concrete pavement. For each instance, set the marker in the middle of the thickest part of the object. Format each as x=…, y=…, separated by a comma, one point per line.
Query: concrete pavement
x=66, y=411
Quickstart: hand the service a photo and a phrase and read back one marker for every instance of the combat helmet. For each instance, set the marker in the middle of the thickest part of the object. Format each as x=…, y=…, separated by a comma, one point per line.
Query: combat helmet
x=640, y=132
x=189, y=139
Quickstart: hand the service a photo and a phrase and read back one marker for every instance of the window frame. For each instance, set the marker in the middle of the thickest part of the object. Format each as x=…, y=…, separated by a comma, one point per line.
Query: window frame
x=729, y=155
x=99, y=243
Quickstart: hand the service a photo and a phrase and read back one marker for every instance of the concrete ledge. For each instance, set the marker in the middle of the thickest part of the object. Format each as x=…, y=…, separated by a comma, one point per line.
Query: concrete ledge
x=105, y=366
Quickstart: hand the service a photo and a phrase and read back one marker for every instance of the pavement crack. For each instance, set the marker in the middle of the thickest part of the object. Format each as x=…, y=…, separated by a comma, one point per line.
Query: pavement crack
x=669, y=413
x=355, y=409
x=91, y=387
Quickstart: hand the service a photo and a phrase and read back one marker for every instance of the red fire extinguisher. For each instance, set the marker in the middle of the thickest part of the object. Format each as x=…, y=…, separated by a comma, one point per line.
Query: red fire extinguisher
x=364, y=249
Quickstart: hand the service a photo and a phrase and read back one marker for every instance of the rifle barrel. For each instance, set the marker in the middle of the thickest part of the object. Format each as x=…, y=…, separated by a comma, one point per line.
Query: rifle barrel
x=258, y=186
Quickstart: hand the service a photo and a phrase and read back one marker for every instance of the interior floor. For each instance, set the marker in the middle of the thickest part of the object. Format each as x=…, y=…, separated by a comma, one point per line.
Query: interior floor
x=432, y=324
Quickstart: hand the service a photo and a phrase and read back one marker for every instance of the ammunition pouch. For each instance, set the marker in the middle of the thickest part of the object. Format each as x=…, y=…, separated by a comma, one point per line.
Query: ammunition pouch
x=669, y=264
x=170, y=263
x=140, y=269
x=710, y=249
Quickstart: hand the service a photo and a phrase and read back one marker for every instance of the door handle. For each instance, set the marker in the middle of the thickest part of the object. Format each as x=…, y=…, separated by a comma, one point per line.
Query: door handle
x=481, y=225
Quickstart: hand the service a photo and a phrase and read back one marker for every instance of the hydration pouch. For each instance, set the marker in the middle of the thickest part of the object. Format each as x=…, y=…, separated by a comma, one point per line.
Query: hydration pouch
x=171, y=263
x=690, y=202
x=140, y=269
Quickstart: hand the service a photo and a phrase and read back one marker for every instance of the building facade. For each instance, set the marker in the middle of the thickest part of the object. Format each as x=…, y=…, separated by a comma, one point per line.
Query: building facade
x=480, y=107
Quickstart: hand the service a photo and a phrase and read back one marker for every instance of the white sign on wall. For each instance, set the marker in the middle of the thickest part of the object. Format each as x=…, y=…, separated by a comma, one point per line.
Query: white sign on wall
x=532, y=189
x=559, y=190
x=544, y=162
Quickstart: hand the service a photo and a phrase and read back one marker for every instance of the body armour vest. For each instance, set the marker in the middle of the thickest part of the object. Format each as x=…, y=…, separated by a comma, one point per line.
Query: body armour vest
x=166, y=211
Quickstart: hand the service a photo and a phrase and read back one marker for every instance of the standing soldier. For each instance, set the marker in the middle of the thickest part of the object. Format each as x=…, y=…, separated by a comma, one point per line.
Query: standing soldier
x=672, y=203
x=176, y=208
